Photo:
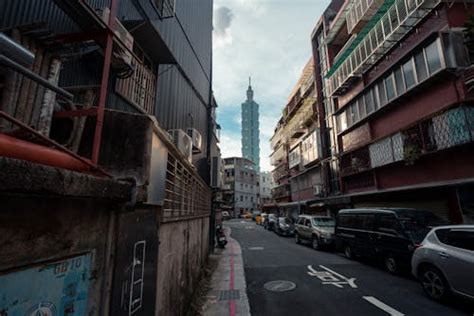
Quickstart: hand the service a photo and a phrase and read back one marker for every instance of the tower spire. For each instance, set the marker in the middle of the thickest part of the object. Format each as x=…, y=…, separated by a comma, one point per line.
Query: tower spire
x=250, y=91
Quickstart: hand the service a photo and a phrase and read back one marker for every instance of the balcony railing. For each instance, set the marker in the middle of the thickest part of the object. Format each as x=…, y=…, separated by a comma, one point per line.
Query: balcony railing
x=140, y=88
x=278, y=155
x=281, y=191
x=452, y=128
x=361, y=11
x=373, y=42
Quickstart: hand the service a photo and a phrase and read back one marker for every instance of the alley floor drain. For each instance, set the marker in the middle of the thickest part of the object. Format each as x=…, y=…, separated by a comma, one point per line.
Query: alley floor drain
x=279, y=286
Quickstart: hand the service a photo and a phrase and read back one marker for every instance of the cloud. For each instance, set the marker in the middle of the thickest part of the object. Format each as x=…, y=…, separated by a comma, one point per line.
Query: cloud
x=222, y=21
x=269, y=41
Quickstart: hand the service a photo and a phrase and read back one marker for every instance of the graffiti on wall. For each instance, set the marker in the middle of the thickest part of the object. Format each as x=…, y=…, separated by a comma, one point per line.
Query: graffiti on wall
x=54, y=289
x=134, y=291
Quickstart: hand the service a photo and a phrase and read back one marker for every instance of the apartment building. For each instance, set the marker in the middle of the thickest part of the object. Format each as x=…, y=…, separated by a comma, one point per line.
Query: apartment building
x=240, y=186
x=297, y=148
x=394, y=91
x=266, y=185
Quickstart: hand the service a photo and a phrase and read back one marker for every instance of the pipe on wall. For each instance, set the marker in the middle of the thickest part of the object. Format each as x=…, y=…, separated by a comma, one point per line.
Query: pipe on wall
x=19, y=149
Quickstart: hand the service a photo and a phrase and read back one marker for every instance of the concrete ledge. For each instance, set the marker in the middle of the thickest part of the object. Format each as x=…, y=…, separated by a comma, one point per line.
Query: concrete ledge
x=19, y=176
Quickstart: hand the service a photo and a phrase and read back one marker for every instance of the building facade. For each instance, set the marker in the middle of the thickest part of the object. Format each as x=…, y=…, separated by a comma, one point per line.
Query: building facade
x=266, y=185
x=297, y=148
x=240, y=185
x=394, y=80
x=91, y=102
x=250, y=129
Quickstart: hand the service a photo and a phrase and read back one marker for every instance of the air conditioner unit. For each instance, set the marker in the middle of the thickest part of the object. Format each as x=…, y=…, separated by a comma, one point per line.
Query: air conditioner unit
x=183, y=142
x=197, y=140
x=317, y=189
x=120, y=31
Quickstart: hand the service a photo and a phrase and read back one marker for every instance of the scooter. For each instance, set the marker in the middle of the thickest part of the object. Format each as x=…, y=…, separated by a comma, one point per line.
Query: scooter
x=220, y=237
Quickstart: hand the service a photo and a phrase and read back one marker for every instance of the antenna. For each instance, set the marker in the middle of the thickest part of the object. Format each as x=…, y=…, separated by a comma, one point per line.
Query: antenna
x=250, y=81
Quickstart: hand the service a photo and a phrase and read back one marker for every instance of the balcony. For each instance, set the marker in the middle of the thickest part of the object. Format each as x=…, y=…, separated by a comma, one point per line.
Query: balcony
x=280, y=192
x=380, y=34
x=278, y=156
x=280, y=172
x=140, y=88
x=360, y=13
x=451, y=128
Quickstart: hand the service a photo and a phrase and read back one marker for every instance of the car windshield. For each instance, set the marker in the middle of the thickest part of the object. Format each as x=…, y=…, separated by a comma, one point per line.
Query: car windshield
x=284, y=220
x=324, y=221
x=417, y=224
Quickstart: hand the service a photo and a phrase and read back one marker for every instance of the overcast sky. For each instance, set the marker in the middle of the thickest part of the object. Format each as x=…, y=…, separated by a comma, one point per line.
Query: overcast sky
x=268, y=40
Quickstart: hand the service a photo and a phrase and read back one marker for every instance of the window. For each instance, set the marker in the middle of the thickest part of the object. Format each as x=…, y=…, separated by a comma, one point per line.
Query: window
x=355, y=112
x=349, y=118
x=390, y=87
x=420, y=65
x=369, y=101
x=432, y=57
x=409, y=74
x=461, y=239
x=241, y=198
x=382, y=94
x=387, y=223
x=362, y=110
x=400, y=84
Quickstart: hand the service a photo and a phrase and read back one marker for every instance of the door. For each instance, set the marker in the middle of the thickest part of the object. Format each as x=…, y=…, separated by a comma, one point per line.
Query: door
x=457, y=261
x=388, y=238
x=307, y=228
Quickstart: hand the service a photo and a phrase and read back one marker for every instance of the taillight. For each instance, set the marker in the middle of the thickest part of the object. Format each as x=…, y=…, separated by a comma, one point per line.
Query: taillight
x=414, y=247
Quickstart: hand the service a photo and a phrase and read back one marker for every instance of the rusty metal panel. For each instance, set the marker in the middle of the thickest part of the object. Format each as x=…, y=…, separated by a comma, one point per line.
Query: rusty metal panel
x=134, y=285
x=58, y=288
x=357, y=137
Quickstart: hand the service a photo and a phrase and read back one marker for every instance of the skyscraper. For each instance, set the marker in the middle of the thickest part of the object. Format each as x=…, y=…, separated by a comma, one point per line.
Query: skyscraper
x=250, y=130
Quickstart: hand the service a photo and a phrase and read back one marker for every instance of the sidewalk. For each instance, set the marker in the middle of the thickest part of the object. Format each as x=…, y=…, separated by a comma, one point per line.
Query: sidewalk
x=228, y=294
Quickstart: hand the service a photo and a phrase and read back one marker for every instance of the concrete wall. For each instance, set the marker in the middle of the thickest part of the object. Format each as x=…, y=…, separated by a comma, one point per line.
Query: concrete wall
x=182, y=252
x=44, y=233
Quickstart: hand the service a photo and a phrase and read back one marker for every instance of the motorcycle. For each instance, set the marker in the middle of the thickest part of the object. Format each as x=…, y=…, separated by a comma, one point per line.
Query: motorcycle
x=220, y=237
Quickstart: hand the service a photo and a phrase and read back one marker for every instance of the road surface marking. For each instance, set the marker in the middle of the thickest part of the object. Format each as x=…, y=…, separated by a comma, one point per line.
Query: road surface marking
x=232, y=309
x=383, y=306
x=331, y=277
x=255, y=248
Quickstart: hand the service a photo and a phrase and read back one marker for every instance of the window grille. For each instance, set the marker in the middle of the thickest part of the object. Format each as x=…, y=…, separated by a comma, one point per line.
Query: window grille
x=453, y=127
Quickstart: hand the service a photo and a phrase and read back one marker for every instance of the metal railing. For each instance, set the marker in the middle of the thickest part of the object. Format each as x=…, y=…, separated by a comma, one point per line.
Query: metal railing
x=393, y=25
x=140, y=88
x=186, y=195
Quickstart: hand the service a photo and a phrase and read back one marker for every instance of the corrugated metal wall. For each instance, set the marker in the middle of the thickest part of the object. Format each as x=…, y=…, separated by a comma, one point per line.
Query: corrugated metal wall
x=178, y=99
x=183, y=91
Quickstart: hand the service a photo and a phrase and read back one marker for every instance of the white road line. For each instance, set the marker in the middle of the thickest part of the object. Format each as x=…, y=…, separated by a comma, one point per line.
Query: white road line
x=255, y=248
x=383, y=306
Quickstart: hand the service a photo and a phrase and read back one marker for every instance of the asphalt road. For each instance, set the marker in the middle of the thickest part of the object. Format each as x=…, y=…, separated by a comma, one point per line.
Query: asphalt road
x=326, y=282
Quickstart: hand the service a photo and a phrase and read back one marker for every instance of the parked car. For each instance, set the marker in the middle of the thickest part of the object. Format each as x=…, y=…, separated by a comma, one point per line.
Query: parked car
x=270, y=222
x=284, y=227
x=263, y=216
x=255, y=214
x=319, y=230
x=389, y=235
x=225, y=215
x=247, y=215
x=444, y=262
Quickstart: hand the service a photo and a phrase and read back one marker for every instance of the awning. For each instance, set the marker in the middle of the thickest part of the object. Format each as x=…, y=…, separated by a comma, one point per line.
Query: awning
x=293, y=203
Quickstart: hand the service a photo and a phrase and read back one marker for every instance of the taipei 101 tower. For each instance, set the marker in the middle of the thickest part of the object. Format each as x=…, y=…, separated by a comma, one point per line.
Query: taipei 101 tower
x=250, y=129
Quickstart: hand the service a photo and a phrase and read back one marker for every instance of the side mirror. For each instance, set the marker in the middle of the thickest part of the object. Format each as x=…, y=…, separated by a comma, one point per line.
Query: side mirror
x=308, y=224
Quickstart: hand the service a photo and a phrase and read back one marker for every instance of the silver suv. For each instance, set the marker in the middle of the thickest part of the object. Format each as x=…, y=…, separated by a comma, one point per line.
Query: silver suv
x=319, y=230
x=444, y=262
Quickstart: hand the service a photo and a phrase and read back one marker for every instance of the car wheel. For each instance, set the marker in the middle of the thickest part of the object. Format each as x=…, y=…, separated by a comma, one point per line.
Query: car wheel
x=297, y=238
x=348, y=252
x=391, y=264
x=434, y=284
x=315, y=243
